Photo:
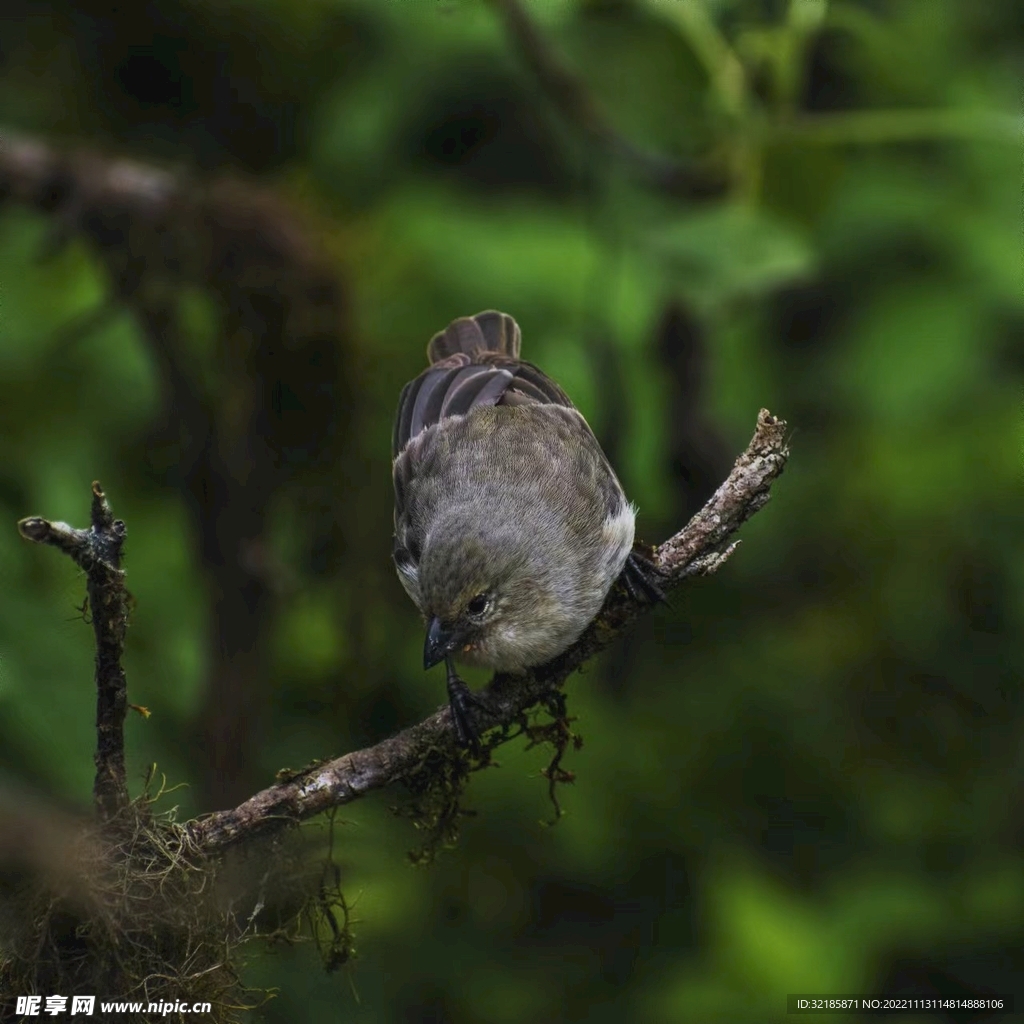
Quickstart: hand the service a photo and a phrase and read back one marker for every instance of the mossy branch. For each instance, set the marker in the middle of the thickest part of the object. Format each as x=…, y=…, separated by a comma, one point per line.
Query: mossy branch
x=694, y=550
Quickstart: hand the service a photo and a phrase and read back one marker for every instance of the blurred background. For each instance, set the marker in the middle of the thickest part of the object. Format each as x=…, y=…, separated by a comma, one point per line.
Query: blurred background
x=805, y=775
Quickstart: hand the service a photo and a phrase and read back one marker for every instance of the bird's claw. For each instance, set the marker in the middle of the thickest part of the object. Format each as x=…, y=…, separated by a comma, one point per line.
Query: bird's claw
x=642, y=579
x=461, y=699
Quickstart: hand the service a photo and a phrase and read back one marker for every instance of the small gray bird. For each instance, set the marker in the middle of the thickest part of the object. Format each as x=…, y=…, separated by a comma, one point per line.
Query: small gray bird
x=510, y=525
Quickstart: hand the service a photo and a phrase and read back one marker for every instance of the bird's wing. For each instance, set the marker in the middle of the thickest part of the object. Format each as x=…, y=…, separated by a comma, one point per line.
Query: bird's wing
x=461, y=382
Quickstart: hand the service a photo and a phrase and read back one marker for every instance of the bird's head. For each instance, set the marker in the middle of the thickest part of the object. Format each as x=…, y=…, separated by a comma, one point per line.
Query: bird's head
x=491, y=595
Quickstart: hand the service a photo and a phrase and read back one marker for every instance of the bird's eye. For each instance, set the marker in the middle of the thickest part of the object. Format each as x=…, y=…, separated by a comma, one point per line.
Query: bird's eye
x=478, y=605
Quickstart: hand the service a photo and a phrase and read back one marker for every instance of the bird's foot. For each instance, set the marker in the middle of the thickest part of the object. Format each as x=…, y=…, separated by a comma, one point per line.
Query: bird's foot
x=462, y=699
x=642, y=579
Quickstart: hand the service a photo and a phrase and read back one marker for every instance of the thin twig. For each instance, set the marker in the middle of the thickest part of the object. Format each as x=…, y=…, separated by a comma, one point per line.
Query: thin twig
x=694, y=550
x=97, y=551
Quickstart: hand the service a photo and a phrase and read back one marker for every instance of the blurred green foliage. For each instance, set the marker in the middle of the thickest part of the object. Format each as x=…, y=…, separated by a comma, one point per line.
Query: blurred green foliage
x=804, y=776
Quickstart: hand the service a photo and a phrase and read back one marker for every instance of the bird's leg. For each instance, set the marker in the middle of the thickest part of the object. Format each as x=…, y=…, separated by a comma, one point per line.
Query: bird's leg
x=461, y=698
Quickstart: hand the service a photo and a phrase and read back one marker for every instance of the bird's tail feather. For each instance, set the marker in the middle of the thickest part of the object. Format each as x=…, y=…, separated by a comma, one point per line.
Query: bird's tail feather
x=489, y=331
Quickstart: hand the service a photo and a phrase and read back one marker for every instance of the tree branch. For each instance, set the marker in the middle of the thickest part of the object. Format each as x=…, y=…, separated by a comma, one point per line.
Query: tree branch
x=694, y=550
x=97, y=551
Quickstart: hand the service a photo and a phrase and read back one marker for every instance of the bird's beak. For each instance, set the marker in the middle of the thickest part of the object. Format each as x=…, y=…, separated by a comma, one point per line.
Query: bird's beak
x=439, y=644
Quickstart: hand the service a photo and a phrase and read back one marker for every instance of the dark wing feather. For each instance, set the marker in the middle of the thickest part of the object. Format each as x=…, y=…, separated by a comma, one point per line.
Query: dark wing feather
x=430, y=400
x=533, y=385
x=474, y=386
x=443, y=391
x=403, y=417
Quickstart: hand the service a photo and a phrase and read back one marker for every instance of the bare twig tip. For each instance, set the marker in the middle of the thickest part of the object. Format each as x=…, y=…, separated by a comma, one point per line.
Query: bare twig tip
x=34, y=528
x=102, y=516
